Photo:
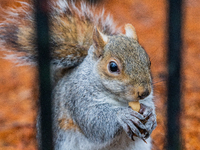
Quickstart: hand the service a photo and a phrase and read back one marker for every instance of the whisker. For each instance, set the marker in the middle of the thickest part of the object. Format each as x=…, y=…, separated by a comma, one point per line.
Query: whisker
x=159, y=81
x=153, y=54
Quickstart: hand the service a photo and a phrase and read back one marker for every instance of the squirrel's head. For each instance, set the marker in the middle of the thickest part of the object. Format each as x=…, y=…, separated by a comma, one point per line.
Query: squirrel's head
x=123, y=65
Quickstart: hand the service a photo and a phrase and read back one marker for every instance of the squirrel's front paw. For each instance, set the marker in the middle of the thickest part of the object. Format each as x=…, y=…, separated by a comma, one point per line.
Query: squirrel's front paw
x=150, y=119
x=131, y=121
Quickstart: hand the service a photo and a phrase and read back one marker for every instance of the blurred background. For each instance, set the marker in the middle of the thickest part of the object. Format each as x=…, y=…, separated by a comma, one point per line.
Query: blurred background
x=19, y=91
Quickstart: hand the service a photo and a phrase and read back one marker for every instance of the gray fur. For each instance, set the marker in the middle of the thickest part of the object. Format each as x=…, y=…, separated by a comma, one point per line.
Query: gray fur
x=102, y=120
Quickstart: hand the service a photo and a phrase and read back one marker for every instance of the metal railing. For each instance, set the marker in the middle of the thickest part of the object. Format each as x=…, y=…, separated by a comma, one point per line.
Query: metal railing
x=44, y=74
x=174, y=78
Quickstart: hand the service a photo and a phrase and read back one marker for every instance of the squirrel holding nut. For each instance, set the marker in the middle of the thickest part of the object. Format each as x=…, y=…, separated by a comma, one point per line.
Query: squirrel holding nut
x=98, y=74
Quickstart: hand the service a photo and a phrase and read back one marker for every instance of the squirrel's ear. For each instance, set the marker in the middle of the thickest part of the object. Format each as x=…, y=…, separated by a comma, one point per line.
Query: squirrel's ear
x=99, y=41
x=130, y=31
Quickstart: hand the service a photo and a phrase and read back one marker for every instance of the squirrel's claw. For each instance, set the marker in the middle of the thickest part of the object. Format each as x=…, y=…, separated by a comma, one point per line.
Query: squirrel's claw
x=150, y=125
x=150, y=119
x=131, y=122
x=145, y=111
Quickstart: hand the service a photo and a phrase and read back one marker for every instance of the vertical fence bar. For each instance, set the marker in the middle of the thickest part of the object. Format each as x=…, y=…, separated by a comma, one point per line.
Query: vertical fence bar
x=174, y=78
x=42, y=28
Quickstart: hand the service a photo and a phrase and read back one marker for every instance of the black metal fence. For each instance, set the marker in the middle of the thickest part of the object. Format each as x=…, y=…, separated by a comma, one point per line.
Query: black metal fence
x=44, y=74
x=174, y=66
x=174, y=78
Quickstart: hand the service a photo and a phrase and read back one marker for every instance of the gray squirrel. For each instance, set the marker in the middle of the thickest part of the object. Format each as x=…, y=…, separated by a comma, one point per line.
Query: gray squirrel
x=96, y=72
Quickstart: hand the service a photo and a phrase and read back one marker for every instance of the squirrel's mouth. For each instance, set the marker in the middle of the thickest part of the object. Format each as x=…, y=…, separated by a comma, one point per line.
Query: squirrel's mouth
x=127, y=97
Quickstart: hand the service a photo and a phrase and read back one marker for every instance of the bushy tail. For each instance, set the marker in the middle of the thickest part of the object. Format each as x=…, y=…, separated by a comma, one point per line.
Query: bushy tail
x=71, y=28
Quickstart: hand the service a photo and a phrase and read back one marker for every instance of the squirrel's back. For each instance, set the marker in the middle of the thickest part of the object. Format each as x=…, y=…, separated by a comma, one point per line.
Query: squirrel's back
x=71, y=27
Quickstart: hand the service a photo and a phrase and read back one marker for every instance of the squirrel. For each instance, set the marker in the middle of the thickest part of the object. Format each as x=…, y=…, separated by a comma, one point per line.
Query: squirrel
x=96, y=71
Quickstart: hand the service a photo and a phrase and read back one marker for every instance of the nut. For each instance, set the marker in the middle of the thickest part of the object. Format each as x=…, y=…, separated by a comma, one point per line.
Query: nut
x=135, y=106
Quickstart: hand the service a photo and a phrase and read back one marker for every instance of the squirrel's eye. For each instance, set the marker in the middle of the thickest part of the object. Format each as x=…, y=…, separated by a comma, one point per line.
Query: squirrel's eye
x=113, y=67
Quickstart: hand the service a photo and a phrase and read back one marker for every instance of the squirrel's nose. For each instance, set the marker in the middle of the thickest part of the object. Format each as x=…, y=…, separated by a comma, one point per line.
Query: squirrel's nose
x=142, y=93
